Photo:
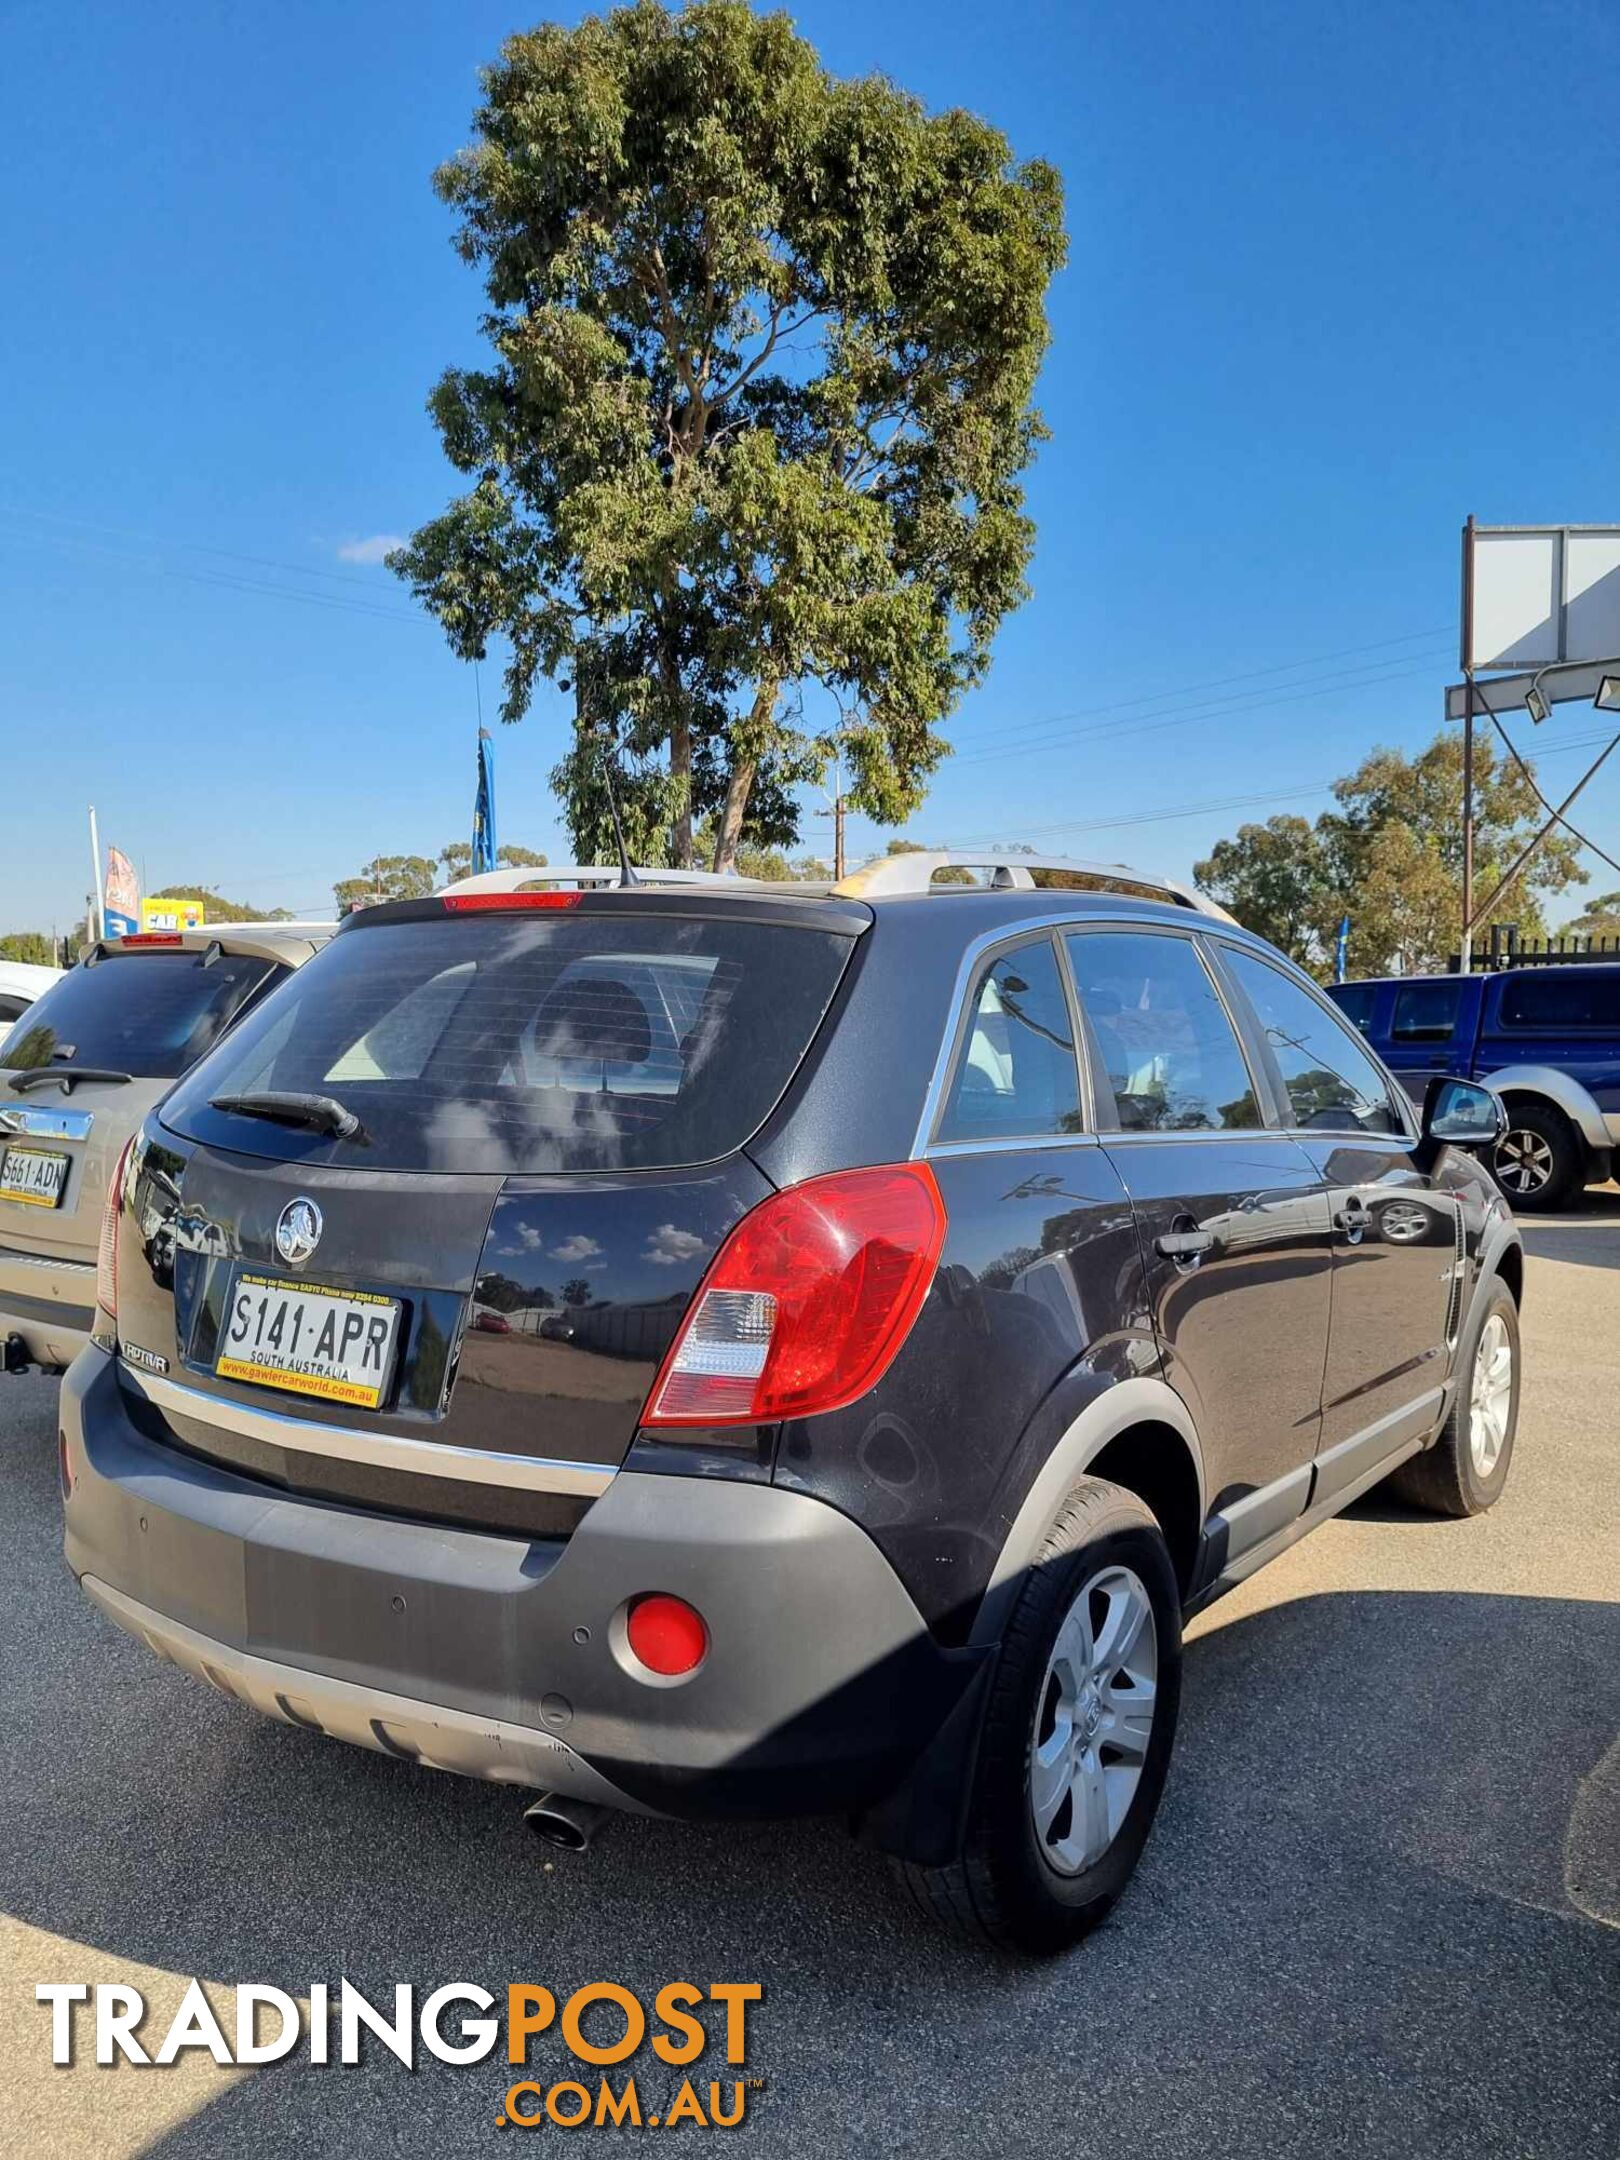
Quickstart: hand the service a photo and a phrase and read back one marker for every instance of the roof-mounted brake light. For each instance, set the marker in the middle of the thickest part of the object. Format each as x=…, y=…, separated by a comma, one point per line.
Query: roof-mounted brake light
x=152, y=937
x=502, y=903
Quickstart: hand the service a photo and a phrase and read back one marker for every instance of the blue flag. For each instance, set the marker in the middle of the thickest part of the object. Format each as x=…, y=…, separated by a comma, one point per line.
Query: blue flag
x=1344, y=947
x=483, y=834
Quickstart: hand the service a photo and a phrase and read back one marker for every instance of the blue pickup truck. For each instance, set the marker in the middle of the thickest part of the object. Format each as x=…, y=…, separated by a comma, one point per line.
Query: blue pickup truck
x=1546, y=1039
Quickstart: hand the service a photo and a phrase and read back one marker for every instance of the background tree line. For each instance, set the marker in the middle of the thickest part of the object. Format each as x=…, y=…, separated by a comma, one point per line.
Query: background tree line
x=1389, y=856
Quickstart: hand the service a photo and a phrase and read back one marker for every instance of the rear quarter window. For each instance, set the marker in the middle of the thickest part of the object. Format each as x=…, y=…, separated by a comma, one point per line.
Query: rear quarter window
x=1563, y=1001
x=508, y=1044
x=150, y=1014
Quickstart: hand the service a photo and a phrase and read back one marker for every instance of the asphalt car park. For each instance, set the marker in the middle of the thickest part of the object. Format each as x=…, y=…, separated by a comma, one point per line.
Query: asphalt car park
x=1381, y=1912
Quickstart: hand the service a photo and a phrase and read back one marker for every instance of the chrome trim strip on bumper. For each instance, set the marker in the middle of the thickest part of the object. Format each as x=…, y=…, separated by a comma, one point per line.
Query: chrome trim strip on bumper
x=388, y=1451
x=47, y=1124
x=431, y=1734
x=8, y=1258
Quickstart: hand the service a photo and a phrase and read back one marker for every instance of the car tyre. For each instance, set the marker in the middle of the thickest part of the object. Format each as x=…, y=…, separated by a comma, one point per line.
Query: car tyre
x=1097, y=1623
x=1465, y=1470
x=1539, y=1162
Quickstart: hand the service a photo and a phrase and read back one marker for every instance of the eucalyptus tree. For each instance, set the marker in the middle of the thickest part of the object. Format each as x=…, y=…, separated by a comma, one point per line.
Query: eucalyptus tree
x=763, y=348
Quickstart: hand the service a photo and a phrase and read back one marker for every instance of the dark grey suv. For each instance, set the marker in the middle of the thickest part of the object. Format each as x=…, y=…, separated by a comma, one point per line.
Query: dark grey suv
x=716, y=1349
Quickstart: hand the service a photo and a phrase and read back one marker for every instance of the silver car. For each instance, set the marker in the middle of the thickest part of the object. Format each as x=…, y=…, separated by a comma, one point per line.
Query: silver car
x=78, y=1073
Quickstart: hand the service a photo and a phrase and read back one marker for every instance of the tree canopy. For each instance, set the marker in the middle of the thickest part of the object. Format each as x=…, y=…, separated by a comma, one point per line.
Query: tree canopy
x=216, y=908
x=764, y=347
x=32, y=947
x=1390, y=857
x=1599, y=918
x=413, y=877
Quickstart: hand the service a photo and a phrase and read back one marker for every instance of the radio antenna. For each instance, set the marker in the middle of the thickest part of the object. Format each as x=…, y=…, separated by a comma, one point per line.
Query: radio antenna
x=627, y=875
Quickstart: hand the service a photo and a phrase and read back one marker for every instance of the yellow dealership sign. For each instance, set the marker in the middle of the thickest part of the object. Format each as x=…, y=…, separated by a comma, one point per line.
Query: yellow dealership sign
x=171, y=914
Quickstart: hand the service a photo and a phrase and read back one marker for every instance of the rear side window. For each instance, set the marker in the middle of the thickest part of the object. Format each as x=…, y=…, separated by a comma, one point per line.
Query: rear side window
x=1570, y=1001
x=149, y=1014
x=1356, y=1002
x=1426, y=1011
x=528, y=1043
x=1331, y=1083
x=1016, y=1075
x=1167, y=1047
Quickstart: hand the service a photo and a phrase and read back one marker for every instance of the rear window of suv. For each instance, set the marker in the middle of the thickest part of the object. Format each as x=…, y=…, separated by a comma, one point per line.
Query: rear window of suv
x=148, y=1014
x=527, y=1043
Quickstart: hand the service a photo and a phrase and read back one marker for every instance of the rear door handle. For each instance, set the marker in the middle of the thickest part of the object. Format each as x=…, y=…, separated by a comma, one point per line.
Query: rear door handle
x=1185, y=1247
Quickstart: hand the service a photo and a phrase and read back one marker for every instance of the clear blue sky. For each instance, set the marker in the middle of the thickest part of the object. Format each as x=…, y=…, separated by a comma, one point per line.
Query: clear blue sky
x=1338, y=276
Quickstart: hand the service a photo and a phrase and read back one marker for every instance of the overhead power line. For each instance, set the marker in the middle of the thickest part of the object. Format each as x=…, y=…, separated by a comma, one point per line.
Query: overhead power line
x=1210, y=804
x=1217, y=682
x=225, y=580
x=190, y=547
x=1384, y=673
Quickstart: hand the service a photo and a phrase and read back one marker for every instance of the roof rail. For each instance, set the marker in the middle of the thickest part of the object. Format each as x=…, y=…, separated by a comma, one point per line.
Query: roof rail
x=503, y=881
x=915, y=871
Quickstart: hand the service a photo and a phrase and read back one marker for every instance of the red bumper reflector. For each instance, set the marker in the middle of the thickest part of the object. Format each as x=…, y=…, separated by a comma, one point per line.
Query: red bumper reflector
x=667, y=1635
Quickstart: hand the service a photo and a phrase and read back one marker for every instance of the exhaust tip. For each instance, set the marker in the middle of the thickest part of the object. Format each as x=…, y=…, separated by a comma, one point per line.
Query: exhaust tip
x=567, y=1824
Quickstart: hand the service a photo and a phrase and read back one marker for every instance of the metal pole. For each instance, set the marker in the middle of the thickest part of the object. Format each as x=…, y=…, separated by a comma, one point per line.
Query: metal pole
x=1529, y=849
x=1465, y=958
x=1466, y=961
x=99, y=926
x=838, y=815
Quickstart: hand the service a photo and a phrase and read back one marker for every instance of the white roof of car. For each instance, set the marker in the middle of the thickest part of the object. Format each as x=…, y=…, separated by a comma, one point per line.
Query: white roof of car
x=24, y=979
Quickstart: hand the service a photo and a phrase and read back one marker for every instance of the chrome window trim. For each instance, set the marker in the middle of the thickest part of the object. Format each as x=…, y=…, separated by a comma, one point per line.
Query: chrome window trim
x=1021, y=1145
x=983, y=948
x=1055, y=921
x=1397, y=1099
x=385, y=1451
x=1259, y=1087
x=1234, y=1133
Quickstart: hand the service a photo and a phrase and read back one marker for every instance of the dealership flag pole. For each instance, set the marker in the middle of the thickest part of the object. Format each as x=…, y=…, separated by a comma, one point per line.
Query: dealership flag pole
x=98, y=927
x=483, y=834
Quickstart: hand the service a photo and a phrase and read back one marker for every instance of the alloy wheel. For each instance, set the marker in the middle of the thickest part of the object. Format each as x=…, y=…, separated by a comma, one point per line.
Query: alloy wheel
x=1093, y=1720
x=1524, y=1160
x=1490, y=1397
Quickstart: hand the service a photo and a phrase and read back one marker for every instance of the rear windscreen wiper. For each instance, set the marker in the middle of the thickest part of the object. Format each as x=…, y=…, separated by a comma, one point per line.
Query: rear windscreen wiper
x=32, y=1076
x=321, y=1113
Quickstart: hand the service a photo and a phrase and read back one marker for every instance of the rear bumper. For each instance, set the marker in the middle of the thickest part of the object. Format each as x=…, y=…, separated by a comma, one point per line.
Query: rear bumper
x=50, y=1303
x=499, y=1657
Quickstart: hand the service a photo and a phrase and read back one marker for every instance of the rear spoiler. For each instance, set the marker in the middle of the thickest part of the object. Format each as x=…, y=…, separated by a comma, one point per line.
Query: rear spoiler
x=290, y=943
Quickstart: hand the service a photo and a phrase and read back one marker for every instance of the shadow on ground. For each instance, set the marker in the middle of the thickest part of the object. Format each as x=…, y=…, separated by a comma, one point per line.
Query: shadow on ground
x=1584, y=1236
x=1378, y=1914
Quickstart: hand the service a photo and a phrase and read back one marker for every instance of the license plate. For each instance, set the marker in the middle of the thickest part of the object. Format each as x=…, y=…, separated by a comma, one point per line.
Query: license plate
x=35, y=1176
x=338, y=1344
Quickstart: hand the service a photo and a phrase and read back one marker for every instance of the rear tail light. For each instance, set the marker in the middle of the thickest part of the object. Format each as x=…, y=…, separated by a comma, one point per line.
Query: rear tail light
x=107, y=1250
x=806, y=1302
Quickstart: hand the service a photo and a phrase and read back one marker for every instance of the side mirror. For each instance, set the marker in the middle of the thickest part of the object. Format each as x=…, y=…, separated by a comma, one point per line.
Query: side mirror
x=1460, y=1113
